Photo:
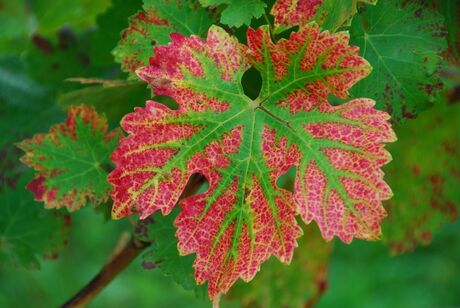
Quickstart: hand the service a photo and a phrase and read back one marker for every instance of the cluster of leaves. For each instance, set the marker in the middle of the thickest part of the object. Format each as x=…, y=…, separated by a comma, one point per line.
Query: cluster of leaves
x=308, y=122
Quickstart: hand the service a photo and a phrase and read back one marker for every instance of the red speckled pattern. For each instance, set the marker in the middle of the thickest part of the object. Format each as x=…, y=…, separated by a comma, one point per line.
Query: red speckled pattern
x=294, y=12
x=362, y=180
x=317, y=51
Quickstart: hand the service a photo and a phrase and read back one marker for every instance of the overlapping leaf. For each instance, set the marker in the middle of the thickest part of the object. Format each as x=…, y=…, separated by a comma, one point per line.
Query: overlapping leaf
x=154, y=25
x=72, y=161
x=330, y=14
x=163, y=252
x=237, y=12
x=27, y=231
x=300, y=284
x=243, y=146
x=427, y=193
x=402, y=41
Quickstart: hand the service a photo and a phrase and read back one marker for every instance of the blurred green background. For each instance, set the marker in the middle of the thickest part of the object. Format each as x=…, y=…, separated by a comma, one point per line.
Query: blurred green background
x=362, y=274
x=44, y=42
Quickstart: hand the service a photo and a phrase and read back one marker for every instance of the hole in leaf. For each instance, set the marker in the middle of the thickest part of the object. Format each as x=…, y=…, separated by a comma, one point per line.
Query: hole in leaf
x=286, y=181
x=167, y=101
x=197, y=184
x=252, y=83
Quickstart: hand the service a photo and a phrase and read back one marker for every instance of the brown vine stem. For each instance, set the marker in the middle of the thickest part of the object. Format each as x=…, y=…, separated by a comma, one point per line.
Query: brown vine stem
x=122, y=258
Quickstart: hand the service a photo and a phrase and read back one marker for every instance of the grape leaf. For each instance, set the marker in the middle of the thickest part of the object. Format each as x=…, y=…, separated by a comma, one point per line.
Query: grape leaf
x=242, y=146
x=27, y=231
x=300, y=284
x=404, y=54
x=154, y=25
x=72, y=161
x=237, y=12
x=425, y=178
x=163, y=251
x=330, y=14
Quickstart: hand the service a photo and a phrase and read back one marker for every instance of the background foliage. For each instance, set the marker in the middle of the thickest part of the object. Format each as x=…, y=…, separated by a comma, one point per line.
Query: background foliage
x=43, y=43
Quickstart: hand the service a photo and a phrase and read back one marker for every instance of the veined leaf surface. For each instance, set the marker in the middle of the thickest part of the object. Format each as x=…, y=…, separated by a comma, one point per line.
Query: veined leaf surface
x=72, y=161
x=243, y=146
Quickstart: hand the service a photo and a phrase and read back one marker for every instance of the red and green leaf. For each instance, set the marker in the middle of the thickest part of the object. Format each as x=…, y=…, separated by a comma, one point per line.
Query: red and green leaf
x=243, y=146
x=330, y=14
x=425, y=177
x=72, y=161
x=153, y=26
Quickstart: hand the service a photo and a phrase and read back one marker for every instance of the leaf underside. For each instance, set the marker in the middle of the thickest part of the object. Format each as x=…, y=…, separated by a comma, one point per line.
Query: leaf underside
x=243, y=146
x=72, y=161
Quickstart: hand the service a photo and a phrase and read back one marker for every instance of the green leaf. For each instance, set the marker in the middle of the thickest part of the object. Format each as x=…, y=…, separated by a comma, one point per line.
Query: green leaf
x=299, y=284
x=27, y=231
x=163, y=251
x=425, y=177
x=237, y=12
x=402, y=43
x=153, y=27
x=72, y=161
